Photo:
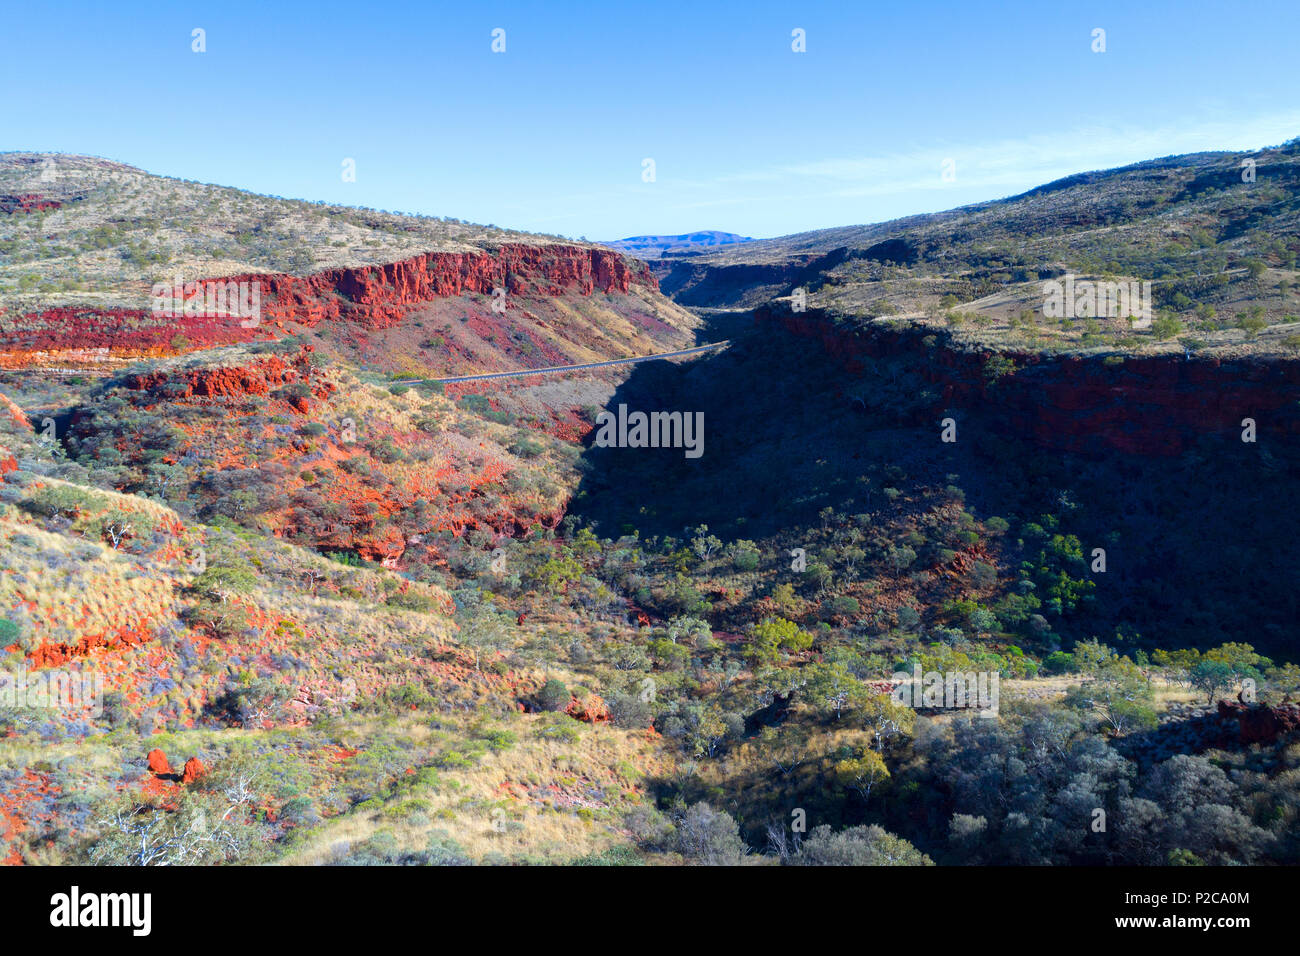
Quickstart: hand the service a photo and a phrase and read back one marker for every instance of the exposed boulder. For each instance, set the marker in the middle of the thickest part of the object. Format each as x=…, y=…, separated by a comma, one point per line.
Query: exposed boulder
x=158, y=762
x=591, y=709
x=1260, y=723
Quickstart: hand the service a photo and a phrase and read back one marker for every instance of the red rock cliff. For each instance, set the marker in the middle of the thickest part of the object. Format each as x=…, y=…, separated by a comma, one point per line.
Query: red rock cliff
x=1145, y=405
x=374, y=296
x=378, y=296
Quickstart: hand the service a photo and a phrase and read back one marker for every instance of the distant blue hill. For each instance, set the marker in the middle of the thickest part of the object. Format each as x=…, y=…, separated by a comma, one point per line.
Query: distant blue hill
x=654, y=246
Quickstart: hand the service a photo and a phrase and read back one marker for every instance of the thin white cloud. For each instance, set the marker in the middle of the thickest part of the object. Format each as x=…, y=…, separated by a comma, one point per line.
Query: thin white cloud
x=903, y=181
x=1025, y=161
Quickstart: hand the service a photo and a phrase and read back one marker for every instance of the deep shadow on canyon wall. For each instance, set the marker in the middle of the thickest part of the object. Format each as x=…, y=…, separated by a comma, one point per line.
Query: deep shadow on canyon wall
x=1142, y=457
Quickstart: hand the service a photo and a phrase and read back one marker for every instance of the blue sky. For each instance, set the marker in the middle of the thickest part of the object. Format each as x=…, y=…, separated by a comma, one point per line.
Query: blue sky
x=746, y=135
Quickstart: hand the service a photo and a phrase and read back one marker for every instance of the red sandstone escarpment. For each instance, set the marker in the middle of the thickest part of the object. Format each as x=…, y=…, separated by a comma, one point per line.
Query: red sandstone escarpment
x=1232, y=725
x=374, y=297
x=1145, y=405
x=378, y=296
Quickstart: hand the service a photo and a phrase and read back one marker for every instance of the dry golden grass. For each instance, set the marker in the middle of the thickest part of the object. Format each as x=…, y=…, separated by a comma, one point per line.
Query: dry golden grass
x=82, y=586
x=476, y=808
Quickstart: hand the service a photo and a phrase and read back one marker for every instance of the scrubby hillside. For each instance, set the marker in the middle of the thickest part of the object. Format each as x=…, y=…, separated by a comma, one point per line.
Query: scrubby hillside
x=249, y=550
x=96, y=230
x=329, y=700
x=1219, y=252
x=86, y=244
x=305, y=451
x=360, y=621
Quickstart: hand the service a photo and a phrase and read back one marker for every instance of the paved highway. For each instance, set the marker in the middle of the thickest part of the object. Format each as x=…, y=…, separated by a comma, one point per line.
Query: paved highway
x=567, y=368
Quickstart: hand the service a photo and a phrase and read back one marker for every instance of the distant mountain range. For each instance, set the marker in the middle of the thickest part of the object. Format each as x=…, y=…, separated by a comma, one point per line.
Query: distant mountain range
x=654, y=246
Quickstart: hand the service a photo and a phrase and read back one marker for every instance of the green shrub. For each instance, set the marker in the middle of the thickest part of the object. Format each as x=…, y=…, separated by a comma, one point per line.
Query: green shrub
x=410, y=600
x=60, y=500
x=498, y=740
x=1166, y=327
x=1059, y=662
x=560, y=729
x=553, y=695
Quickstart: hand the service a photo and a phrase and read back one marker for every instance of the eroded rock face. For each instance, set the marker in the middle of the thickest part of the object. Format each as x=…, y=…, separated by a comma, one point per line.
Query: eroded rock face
x=1144, y=405
x=378, y=296
x=90, y=334
x=259, y=377
x=373, y=297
